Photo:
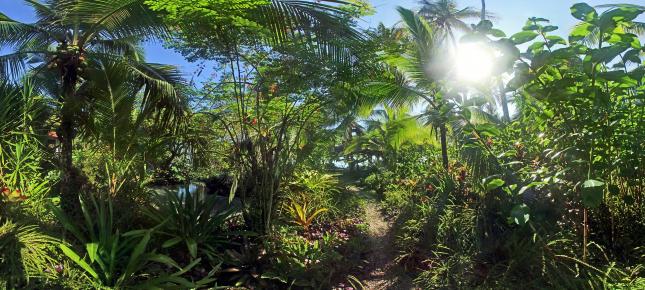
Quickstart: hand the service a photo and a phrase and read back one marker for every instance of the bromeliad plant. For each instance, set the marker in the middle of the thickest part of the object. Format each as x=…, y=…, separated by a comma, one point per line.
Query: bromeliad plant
x=192, y=222
x=303, y=215
x=110, y=259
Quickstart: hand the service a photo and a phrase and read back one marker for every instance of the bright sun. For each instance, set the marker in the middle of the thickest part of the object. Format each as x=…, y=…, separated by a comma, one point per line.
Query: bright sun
x=474, y=62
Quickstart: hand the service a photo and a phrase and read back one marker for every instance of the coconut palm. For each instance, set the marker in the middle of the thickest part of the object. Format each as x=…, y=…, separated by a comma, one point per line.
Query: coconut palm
x=70, y=44
x=414, y=74
x=447, y=18
x=387, y=130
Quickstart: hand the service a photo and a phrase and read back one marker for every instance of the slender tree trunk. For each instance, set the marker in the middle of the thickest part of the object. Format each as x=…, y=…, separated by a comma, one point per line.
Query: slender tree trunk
x=483, y=10
x=504, y=101
x=444, y=145
x=66, y=131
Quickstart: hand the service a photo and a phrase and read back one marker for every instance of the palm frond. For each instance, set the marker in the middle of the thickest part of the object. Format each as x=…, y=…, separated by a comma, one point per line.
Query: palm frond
x=160, y=96
x=117, y=19
x=321, y=24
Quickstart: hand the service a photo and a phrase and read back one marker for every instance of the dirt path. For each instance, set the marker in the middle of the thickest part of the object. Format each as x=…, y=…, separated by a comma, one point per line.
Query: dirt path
x=381, y=271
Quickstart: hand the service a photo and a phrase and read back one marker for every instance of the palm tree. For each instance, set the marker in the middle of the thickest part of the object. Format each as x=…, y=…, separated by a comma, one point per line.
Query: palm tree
x=447, y=18
x=70, y=44
x=414, y=74
x=387, y=131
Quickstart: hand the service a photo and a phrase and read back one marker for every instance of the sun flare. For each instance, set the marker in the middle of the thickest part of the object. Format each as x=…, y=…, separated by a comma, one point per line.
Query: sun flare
x=474, y=62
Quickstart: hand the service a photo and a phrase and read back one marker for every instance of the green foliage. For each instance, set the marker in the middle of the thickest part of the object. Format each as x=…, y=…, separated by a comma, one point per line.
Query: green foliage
x=25, y=254
x=303, y=215
x=191, y=222
x=110, y=259
x=300, y=262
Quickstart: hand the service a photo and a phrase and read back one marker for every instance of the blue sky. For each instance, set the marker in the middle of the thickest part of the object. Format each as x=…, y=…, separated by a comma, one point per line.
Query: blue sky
x=511, y=15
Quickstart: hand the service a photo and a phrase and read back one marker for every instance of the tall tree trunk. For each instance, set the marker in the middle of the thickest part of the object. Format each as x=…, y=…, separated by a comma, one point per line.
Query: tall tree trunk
x=504, y=101
x=68, y=190
x=444, y=145
x=483, y=10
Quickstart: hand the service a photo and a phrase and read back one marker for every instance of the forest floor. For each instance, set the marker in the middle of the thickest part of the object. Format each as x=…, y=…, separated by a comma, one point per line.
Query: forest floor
x=381, y=271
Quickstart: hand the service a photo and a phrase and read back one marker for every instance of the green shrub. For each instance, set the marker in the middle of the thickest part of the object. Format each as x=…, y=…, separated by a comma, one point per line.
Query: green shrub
x=110, y=259
x=25, y=254
x=300, y=262
x=396, y=198
x=191, y=223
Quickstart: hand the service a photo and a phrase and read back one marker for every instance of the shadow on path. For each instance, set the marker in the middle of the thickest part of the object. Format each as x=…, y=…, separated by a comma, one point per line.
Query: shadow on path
x=381, y=271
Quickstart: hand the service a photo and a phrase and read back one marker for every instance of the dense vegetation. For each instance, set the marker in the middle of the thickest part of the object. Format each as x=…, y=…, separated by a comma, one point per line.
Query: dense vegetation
x=117, y=173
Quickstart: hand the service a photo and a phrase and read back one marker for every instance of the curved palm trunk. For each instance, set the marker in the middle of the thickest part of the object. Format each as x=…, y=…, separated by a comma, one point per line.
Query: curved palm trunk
x=444, y=145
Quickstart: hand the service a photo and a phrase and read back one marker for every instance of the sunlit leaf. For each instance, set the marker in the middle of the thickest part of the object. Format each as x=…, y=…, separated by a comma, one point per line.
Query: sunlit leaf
x=581, y=31
x=584, y=12
x=523, y=37
x=592, y=193
x=494, y=184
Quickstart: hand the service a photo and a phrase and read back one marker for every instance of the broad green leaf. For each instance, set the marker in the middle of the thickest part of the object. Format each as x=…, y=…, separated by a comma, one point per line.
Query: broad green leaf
x=76, y=259
x=497, y=33
x=540, y=59
x=619, y=76
x=163, y=259
x=530, y=185
x=626, y=39
x=584, y=12
x=531, y=27
x=606, y=54
x=136, y=254
x=171, y=242
x=610, y=18
x=549, y=28
x=592, y=193
x=92, y=250
x=580, y=31
x=536, y=46
x=554, y=39
x=523, y=37
x=537, y=19
x=520, y=214
x=494, y=184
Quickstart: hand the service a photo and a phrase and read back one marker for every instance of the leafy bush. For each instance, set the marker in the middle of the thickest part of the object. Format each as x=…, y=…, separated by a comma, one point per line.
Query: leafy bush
x=25, y=253
x=191, y=222
x=300, y=262
x=110, y=259
x=315, y=189
x=396, y=197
